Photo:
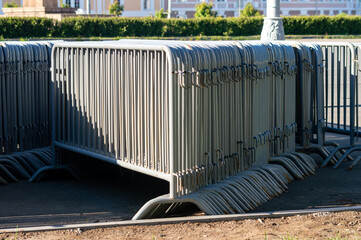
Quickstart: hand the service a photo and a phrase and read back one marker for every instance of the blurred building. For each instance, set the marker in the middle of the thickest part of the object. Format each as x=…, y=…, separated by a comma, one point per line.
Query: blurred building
x=230, y=8
x=226, y=8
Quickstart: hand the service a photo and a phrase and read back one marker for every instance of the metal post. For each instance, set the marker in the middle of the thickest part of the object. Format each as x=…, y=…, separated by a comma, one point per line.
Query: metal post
x=169, y=8
x=88, y=7
x=273, y=24
x=239, y=7
x=352, y=99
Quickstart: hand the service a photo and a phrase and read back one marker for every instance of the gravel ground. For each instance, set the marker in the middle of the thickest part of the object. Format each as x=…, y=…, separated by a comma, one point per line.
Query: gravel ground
x=342, y=225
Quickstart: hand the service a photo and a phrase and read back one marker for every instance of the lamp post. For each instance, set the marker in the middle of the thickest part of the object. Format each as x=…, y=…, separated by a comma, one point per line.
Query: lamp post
x=169, y=8
x=239, y=7
x=273, y=24
x=87, y=6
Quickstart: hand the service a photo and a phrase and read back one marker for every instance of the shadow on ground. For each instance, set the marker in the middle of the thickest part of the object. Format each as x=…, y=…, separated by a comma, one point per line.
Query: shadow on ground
x=108, y=193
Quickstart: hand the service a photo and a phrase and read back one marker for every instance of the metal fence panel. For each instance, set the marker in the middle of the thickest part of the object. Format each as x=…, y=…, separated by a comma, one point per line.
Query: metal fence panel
x=192, y=113
x=339, y=76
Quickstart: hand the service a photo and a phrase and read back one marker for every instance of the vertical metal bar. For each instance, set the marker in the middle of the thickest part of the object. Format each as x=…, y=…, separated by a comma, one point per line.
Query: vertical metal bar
x=352, y=94
x=338, y=89
x=345, y=83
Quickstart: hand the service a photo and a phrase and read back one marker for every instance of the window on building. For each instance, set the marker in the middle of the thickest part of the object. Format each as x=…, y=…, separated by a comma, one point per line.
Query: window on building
x=220, y=0
x=68, y=2
x=77, y=3
x=146, y=4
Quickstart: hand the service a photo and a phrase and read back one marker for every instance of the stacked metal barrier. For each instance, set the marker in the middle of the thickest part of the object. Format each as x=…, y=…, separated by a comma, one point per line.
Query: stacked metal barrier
x=310, y=94
x=193, y=113
x=303, y=93
x=317, y=113
x=340, y=82
x=24, y=108
x=340, y=75
x=217, y=120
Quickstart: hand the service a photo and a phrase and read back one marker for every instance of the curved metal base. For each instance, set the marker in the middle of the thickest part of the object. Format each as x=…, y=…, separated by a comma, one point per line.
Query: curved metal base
x=347, y=153
x=151, y=207
x=354, y=163
x=342, y=151
x=314, y=148
x=40, y=173
x=335, y=151
x=236, y=194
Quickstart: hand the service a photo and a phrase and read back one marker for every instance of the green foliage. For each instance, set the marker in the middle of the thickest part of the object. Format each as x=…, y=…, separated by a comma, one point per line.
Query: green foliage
x=204, y=10
x=160, y=14
x=249, y=11
x=26, y=27
x=116, y=8
x=11, y=5
x=320, y=25
x=147, y=27
x=62, y=5
x=343, y=14
x=115, y=27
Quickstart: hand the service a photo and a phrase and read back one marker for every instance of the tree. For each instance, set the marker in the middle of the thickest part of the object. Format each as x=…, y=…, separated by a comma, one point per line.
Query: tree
x=116, y=8
x=160, y=14
x=62, y=5
x=204, y=10
x=343, y=14
x=10, y=5
x=249, y=11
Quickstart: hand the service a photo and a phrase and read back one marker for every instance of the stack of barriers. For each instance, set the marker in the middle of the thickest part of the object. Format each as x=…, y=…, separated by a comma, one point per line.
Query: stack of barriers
x=215, y=119
x=24, y=109
x=227, y=124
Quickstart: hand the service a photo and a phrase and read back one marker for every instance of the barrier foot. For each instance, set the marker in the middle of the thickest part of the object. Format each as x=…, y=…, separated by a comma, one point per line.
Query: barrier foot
x=40, y=173
x=354, y=163
x=235, y=194
x=322, y=151
x=160, y=206
x=347, y=153
x=336, y=145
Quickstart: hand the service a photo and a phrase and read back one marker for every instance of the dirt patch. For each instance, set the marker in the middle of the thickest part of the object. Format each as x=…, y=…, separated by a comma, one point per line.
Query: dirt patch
x=324, y=225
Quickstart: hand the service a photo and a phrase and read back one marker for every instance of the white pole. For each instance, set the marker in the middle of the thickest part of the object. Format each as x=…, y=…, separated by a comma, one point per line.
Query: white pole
x=273, y=24
x=273, y=8
x=239, y=7
x=87, y=6
x=169, y=8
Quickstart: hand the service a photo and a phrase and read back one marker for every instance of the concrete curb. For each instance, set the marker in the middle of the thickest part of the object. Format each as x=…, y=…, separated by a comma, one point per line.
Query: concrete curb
x=214, y=218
